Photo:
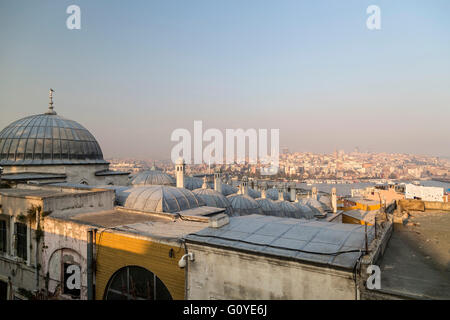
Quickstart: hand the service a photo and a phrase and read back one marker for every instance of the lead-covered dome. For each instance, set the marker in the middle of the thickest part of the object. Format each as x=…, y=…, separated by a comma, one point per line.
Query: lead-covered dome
x=244, y=205
x=160, y=199
x=153, y=177
x=48, y=139
x=215, y=199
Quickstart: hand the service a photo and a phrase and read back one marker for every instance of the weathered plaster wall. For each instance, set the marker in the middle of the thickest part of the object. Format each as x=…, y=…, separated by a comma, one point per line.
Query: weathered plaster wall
x=63, y=241
x=224, y=274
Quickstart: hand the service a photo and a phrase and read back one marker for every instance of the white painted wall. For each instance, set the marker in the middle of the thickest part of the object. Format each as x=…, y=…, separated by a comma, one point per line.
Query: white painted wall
x=424, y=193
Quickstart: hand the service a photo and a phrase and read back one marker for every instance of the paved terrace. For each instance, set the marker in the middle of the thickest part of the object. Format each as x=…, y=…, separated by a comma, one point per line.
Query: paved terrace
x=416, y=263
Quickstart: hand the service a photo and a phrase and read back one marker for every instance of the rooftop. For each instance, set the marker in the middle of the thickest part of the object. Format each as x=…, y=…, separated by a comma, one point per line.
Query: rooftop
x=333, y=244
x=140, y=224
x=416, y=262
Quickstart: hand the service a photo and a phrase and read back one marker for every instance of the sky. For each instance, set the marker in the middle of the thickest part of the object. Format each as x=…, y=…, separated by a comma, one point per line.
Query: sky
x=138, y=70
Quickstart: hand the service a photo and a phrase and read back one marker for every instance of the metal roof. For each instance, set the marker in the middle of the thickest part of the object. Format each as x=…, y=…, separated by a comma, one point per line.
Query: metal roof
x=153, y=177
x=334, y=244
x=47, y=139
x=269, y=207
x=214, y=198
x=160, y=199
x=26, y=176
x=244, y=205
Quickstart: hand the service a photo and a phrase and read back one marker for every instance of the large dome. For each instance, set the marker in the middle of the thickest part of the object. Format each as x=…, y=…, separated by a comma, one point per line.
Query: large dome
x=48, y=139
x=160, y=199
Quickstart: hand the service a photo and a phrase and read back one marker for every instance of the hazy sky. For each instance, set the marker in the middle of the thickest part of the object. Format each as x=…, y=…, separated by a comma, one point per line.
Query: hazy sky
x=137, y=70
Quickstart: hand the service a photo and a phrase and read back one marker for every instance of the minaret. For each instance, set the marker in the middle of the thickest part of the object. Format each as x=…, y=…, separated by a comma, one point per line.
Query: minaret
x=263, y=188
x=280, y=192
x=293, y=191
x=218, y=182
x=244, y=188
x=50, y=103
x=314, y=193
x=179, y=168
x=333, y=200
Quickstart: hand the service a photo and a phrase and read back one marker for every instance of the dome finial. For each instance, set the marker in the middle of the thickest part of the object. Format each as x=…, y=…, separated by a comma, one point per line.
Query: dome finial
x=50, y=103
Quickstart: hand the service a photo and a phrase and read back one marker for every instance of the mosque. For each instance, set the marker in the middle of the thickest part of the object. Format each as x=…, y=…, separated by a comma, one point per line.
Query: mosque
x=56, y=191
x=50, y=148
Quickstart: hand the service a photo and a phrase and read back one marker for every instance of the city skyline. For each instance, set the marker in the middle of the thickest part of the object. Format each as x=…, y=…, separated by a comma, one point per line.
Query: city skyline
x=314, y=71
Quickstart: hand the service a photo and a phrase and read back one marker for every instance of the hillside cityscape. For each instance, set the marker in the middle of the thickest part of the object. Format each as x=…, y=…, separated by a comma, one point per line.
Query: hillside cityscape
x=314, y=167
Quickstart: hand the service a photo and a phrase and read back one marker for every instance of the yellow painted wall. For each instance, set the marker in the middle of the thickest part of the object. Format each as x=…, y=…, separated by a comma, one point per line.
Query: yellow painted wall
x=115, y=251
x=362, y=206
x=348, y=219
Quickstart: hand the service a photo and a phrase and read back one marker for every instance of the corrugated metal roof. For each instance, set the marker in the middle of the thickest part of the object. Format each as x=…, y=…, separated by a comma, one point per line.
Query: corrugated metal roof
x=333, y=244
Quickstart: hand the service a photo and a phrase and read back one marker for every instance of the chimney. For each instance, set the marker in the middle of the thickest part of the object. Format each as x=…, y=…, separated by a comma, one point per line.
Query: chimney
x=205, y=183
x=280, y=192
x=244, y=186
x=264, y=190
x=293, y=191
x=314, y=193
x=179, y=168
x=297, y=197
x=333, y=200
x=218, y=182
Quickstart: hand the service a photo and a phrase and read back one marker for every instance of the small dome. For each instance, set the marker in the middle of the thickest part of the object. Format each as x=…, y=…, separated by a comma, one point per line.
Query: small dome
x=215, y=199
x=254, y=193
x=244, y=205
x=325, y=201
x=153, y=177
x=315, y=205
x=305, y=211
x=227, y=189
x=161, y=199
x=288, y=208
x=269, y=207
x=272, y=193
x=192, y=183
x=48, y=139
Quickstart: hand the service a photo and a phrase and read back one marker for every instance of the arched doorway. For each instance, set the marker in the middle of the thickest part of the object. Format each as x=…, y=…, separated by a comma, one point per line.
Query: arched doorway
x=136, y=283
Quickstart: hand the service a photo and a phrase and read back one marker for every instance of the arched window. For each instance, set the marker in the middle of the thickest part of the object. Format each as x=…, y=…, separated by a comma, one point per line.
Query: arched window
x=136, y=283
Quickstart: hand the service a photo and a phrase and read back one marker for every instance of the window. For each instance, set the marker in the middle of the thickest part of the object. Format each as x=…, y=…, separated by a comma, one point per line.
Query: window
x=3, y=236
x=21, y=233
x=136, y=283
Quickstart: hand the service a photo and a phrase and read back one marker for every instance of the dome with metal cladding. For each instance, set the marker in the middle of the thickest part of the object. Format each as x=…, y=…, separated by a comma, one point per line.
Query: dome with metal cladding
x=244, y=205
x=304, y=211
x=48, y=139
x=269, y=207
x=212, y=198
x=160, y=199
x=288, y=209
x=325, y=201
x=153, y=177
x=227, y=189
x=272, y=193
x=314, y=204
